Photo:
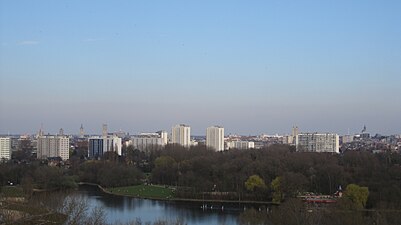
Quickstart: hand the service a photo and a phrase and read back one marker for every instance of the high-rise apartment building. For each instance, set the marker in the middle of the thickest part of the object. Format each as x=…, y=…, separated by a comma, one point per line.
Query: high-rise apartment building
x=315, y=142
x=53, y=146
x=295, y=132
x=97, y=146
x=215, y=138
x=5, y=148
x=181, y=134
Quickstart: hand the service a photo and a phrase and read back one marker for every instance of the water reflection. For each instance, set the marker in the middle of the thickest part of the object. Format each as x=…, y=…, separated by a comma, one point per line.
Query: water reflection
x=125, y=209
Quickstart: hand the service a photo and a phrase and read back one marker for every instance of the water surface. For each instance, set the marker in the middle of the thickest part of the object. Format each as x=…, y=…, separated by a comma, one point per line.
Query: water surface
x=125, y=209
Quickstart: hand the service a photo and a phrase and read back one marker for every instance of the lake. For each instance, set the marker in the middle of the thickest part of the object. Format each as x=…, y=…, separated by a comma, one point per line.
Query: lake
x=124, y=209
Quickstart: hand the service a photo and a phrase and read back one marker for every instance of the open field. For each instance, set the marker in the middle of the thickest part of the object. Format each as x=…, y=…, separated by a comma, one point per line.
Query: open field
x=144, y=191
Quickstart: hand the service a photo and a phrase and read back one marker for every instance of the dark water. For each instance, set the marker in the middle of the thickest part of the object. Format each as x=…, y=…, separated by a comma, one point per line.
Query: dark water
x=125, y=209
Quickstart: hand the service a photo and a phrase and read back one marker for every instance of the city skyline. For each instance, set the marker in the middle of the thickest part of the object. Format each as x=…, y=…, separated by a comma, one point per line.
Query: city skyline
x=259, y=67
x=101, y=132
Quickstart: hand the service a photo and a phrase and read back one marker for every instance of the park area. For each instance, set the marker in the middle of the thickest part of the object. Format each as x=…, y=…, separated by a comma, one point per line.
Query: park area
x=144, y=191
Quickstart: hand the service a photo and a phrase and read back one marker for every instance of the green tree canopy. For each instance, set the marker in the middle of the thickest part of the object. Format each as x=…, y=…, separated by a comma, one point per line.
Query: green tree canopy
x=164, y=162
x=253, y=182
x=357, y=195
x=277, y=190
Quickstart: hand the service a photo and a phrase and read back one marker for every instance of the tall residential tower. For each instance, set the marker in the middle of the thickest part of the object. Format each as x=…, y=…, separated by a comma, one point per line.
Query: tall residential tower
x=215, y=138
x=53, y=146
x=5, y=148
x=181, y=134
x=97, y=146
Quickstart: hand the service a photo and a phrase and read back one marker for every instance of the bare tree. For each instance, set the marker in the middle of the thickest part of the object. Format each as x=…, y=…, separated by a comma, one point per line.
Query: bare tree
x=77, y=210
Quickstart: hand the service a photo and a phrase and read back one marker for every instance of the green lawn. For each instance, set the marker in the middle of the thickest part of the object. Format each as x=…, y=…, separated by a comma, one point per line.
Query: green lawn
x=144, y=191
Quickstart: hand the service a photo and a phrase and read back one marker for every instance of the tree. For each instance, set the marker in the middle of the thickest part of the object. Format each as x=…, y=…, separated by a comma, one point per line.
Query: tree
x=27, y=186
x=277, y=190
x=253, y=217
x=357, y=195
x=110, y=156
x=129, y=154
x=293, y=212
x=20, y=155
x=255, y=182
x=165, y=171
x=293, y=183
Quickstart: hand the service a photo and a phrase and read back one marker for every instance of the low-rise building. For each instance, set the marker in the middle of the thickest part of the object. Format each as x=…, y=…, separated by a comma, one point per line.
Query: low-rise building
x=347, y=139
x=149, y=141
x=240, y=145
x=288, y=140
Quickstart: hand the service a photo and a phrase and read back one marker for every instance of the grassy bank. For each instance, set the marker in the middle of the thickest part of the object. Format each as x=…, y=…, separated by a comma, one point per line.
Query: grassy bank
x=144, y=191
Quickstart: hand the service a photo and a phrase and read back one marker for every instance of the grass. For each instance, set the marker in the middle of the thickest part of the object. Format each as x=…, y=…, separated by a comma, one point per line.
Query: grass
x=12, y=191
x=144, y=191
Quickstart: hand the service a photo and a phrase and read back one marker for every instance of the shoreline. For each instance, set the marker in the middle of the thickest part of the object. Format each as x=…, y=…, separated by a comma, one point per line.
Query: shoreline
x=180, y=199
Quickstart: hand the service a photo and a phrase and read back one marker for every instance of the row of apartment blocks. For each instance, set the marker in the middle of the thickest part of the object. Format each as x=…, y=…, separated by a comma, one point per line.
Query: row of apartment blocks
x=9, y=144
x=59, y=145
x=180, y=134
x=48, y=146
x=215, y=138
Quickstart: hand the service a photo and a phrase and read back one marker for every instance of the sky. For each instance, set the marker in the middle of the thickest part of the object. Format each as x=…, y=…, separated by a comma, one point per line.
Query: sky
x=250, y=66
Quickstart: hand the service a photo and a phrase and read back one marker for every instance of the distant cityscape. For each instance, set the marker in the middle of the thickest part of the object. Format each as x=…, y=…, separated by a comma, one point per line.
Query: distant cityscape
x=60, y=146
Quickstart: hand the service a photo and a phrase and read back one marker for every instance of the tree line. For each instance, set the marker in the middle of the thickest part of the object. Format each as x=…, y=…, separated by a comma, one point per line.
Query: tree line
x=281, y=171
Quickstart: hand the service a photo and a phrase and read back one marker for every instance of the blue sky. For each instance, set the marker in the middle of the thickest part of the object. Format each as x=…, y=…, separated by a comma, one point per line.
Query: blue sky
x=251, y=66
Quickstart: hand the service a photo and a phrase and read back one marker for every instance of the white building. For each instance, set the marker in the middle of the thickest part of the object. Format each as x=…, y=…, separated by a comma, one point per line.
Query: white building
x=240, y=144
x=181, y=134
x=215, y=138
x=163, y=136
x=5, y=148
x=53, y=146
x=347, y=139
x=149, y=141
x=315, y=142
x=288, y=140
x=99, y=145
x=295, y=131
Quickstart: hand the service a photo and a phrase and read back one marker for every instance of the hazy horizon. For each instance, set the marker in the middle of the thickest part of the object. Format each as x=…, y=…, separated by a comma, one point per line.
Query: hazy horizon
x=251, y=67
x=195, y=131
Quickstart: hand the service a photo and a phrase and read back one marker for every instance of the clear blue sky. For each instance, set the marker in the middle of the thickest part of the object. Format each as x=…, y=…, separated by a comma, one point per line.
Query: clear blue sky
x=251, y=66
